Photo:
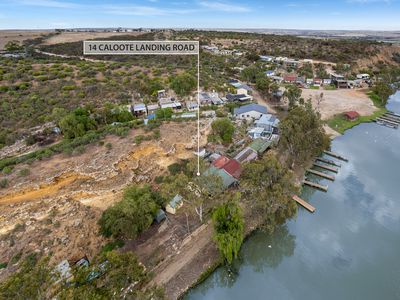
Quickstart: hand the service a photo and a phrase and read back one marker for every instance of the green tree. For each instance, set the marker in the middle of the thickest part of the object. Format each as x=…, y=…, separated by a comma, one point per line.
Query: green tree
x=195, y=190
x=164, y=113
x=77, y=123
x=32, y=281
x=228, y=228
x=302, y=134
x=383, y=91
x=293, y=94
x=13, y=46
x=183, y=84
x=263, y=85
x=133, y=214
x=269, y=186
x=250, y=74
x=223, y=129
x=110, y=276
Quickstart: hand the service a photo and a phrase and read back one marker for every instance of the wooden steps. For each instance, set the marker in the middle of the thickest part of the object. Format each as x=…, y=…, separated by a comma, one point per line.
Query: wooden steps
x=303, y=203
x=323, y=188
x=329, y=168
x=336, y=155
x=320, y=174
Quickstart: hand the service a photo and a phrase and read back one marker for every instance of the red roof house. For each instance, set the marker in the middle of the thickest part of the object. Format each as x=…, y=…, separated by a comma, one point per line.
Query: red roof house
x=233, y=168
x=230, y=166
x=290, y=78
x=351, y=115
x=220, y=162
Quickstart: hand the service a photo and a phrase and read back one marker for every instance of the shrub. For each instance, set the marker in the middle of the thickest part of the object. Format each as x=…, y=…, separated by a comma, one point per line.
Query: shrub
x=24, y=172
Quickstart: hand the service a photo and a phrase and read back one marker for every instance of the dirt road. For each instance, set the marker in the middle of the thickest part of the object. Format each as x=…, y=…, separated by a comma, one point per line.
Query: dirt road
x=196, y=253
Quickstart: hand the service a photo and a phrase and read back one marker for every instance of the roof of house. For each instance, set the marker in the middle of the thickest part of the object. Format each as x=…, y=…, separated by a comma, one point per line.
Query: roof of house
x=233, y=168
x=244, y=86
x=220, y=162
x=191, y=104
x=139, y=107
x=267, y=119
x=174, y=203
x=352, y=114
x=246, y=154
x=227, y=180
x=260, y=145
x=234, y=97
x=153, y=106
x=250, y=107
x=160, y=215
x=290, y=78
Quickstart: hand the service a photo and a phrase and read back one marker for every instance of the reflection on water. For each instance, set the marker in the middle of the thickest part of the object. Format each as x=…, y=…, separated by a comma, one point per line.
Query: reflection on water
x=348, y=249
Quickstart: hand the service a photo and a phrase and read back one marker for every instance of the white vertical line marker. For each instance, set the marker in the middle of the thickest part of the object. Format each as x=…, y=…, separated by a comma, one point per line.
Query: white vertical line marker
x=198, y=111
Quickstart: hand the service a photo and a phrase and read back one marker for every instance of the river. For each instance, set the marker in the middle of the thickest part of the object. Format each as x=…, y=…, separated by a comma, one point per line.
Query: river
x=348, y=249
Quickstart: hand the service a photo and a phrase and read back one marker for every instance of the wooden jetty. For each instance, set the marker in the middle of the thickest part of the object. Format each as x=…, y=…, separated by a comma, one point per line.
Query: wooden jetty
x=390, y=119
x=336, y=155
x=329, y=168
x=320, y=174
x=383, y=123
x=393, y=114
x=303, y=203
x=316, y=185
x=387, y=121
x=328, y=161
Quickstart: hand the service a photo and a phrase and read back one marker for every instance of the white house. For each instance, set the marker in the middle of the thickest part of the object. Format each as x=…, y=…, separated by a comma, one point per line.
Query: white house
x=250, y=111
x=363, y=76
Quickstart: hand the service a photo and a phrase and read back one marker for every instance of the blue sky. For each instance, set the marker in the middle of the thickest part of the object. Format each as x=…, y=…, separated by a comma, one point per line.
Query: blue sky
x=306, y=14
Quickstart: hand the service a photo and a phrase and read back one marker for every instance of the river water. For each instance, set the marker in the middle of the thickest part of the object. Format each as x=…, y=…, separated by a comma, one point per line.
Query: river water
x=348, y=249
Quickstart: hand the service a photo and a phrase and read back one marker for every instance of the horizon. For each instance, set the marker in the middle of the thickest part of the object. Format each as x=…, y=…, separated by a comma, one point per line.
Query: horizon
x=343, y=15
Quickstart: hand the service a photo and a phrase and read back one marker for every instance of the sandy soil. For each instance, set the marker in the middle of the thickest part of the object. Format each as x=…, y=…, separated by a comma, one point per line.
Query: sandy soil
x=66, y=37
x=72, y=191
x=19, y=35
x=339, y=101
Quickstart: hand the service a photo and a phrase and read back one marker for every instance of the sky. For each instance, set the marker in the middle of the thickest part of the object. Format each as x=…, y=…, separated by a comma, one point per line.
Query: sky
x=274, y=14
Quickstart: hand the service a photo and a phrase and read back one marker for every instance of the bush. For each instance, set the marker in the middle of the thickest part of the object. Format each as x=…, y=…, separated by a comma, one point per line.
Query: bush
x=132, y=215
x=224, y=129
x=7, y=170
x=24, y=172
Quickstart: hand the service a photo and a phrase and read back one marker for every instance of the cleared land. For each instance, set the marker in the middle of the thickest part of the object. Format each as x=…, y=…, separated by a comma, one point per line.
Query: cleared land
x=19, y=35
x=339, y=101
x=67, y=37
x=61, y=200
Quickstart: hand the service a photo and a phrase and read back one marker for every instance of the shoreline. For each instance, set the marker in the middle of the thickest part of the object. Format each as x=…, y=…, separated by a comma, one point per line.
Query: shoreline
x=215, y=263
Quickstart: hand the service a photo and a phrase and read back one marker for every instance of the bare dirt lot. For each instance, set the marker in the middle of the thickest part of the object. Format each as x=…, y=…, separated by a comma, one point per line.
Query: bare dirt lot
x=339, y=101
x=66, y=37
x=56, y=207
x=19, y=35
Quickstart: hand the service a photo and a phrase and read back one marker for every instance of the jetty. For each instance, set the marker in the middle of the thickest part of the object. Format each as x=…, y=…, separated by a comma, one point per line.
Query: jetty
x=393, y=117
x=381, y=119
x=394, y=120
x=393, y=114
x=384, y=123
x=329, y=168
x=303, y=203
x=335, y=155
x=328, y=161
x=316, y=185
x=321, y=174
